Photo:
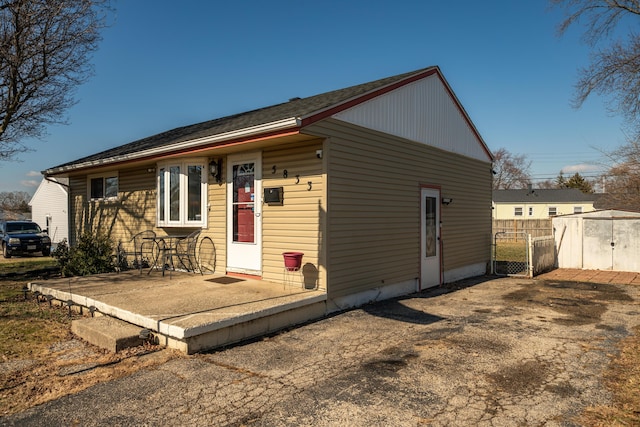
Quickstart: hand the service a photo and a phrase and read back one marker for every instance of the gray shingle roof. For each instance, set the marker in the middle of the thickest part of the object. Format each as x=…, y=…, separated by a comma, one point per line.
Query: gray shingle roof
x=299, y=107
x=564, y=195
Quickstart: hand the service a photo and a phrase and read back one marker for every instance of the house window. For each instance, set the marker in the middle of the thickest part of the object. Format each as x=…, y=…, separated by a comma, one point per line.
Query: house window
x=517, y=211
x=577, y=209
x=103, y=187
x=530, y=210
x=553, y=211
x=431, y=227
x=182, y=193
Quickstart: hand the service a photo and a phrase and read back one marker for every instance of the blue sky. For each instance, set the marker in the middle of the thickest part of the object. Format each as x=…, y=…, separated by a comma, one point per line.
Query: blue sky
x=164, y=64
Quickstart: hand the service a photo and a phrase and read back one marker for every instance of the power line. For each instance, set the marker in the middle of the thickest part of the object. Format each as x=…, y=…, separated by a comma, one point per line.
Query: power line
x=583, y=174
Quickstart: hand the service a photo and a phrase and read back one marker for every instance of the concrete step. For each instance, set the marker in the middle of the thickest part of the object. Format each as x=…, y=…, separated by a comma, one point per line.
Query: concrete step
x=107, y=332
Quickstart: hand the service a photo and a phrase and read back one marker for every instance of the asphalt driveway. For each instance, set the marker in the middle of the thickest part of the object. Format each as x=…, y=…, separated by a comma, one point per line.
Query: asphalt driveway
x=491, y=352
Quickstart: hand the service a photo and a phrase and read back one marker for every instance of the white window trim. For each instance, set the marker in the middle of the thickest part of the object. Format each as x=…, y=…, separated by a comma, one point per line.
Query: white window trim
x=104, y=176
x=530, y=209
x=183, y=164
x=515, y=208
x=549, y=211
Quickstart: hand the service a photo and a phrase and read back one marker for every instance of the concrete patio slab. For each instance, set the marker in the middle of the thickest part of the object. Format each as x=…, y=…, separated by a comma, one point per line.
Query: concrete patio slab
x=188, y=311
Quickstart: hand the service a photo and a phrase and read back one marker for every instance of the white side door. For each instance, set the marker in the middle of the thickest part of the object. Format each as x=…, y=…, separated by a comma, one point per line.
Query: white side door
x=244, y=214
x=430, y=274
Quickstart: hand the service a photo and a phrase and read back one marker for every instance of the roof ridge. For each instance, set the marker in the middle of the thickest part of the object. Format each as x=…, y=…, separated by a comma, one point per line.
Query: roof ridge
x=295, y=113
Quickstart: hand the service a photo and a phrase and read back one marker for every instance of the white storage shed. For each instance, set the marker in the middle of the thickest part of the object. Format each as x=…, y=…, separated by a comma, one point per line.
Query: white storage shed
x=600, y=240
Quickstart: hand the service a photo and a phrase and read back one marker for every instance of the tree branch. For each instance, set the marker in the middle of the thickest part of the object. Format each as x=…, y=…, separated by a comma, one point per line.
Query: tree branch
x=45, y=52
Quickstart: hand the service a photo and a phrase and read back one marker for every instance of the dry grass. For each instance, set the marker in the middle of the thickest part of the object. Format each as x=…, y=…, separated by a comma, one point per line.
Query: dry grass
x=623, y=380
x=25, y=265
x=40, y=360
x=510, y=251
x=28, y=328
x=69, y=367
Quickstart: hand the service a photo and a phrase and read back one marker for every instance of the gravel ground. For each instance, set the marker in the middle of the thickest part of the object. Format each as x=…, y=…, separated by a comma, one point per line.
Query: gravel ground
x=487, y=352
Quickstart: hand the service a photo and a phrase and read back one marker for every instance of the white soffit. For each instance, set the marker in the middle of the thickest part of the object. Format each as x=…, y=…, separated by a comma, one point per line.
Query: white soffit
x=422, y=111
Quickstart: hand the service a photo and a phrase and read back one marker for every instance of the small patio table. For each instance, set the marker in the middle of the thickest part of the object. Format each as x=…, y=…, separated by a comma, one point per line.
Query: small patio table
x=167, y=247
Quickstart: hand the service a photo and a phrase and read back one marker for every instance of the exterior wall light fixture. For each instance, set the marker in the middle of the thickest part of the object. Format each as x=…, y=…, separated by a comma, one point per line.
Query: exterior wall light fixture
x=215, y=169
x=446, y=201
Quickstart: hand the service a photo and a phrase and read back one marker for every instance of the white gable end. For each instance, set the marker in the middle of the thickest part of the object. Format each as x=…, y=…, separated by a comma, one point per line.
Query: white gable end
x=49, y=207
x=422, y=111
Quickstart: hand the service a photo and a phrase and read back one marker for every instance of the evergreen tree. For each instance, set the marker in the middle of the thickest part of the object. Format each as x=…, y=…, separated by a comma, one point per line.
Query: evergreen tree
x=579, y=182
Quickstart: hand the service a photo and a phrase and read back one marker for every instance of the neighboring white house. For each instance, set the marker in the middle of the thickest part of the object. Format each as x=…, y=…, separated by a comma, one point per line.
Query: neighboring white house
x=49, y=208
x=540, y=203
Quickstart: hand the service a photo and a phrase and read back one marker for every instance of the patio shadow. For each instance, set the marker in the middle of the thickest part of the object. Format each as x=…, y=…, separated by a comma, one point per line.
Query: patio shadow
x=396, y=310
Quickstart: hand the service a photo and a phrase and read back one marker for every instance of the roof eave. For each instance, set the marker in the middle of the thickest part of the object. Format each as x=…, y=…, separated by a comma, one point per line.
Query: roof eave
x=271, y=127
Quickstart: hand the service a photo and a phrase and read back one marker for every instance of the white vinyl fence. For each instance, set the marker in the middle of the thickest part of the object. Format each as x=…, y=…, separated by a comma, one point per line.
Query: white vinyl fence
x=542, y=254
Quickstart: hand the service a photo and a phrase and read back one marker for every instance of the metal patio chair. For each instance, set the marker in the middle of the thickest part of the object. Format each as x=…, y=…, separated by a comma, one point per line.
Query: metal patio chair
x=206, y=255
x=142, y=247
x=185, y=251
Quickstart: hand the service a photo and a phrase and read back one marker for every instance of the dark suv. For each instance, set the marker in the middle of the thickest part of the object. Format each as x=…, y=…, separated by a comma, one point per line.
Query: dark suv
x=23, y=237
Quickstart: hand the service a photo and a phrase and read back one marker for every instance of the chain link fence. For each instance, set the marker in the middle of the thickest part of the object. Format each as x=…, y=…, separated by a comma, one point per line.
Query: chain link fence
x=511, y=254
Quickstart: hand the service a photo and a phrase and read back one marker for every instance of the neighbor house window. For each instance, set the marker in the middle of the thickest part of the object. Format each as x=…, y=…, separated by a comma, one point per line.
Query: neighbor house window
x=103, y=187
x=553, y=211
x=182, y=193
x=530, y=210
x=517, y=211
x=577, y=209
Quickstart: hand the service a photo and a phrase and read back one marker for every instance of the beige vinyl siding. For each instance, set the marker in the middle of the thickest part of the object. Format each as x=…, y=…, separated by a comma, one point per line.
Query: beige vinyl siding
x=137, y=199
x=296, y=225
x=374, y=207
x=466, y=228
x=77, y=205
x=216, y=222
x=134, y=211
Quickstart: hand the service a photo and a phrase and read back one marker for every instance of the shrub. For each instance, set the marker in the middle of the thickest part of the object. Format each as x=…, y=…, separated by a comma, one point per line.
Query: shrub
x=92, y=255
x=61, y=254
x=123, y=263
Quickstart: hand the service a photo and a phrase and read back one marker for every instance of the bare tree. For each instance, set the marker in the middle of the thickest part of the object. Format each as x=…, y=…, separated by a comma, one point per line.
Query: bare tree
x=14, y=204
x=547, y=184
x=622, y=188
x=614, y=71
x=45, y=52
x=510, y=171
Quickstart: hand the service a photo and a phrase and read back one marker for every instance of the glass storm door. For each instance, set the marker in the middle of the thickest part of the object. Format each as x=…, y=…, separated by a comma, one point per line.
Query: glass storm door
x=430, y=238
x=244, y=224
